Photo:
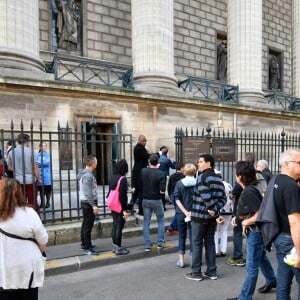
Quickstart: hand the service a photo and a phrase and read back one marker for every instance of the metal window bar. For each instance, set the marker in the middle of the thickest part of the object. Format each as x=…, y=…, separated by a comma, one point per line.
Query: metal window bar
x=210, y=89
x=85, y=70
x=283, y=100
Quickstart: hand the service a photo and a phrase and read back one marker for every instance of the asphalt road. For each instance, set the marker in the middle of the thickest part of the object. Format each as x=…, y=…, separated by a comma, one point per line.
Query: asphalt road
x=149, y=278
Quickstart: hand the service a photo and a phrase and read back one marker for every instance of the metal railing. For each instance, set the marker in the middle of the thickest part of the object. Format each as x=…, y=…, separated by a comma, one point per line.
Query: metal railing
x=287, y=102
x=229, y=147
x=89, y=71
x=67, y=147
x=210, y=89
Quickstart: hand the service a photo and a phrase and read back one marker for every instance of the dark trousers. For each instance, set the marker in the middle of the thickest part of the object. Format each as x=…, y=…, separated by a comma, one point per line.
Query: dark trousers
x=237, y=241
x=87, y=225
x=118, y=225
x=203, y=233
x=21, y=294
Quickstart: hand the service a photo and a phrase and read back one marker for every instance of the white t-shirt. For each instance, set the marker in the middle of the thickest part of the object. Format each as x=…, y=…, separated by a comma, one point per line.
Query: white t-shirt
x=20, y=258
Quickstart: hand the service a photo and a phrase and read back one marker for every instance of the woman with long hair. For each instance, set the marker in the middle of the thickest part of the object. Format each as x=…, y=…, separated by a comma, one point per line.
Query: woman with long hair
x=119, y=218
x=23, y=238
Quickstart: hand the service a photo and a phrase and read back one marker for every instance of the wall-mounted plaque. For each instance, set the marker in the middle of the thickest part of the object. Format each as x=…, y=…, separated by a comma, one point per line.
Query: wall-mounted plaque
x=224, y=149
x=192, y=147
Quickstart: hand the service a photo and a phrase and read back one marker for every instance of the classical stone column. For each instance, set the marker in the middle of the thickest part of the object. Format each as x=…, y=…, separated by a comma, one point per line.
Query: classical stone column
x=152, y=44
x=19, y=38
x=245, y=49
x=296, y=48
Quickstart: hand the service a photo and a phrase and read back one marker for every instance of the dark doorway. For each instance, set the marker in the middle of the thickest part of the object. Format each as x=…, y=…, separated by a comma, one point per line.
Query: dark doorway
x=99, y=144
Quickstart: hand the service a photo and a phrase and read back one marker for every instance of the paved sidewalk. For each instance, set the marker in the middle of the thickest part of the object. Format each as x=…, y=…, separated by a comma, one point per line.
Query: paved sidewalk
x=70, y=258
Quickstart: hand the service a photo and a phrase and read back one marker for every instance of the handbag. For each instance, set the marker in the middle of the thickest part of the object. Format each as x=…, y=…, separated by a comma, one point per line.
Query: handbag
x=113, y=199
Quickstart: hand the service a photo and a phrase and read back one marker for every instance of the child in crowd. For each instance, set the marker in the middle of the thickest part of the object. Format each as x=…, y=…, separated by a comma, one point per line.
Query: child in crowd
x=183, y=195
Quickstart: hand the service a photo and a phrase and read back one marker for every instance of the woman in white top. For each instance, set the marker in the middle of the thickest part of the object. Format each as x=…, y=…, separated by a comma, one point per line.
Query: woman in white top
x=21, y=261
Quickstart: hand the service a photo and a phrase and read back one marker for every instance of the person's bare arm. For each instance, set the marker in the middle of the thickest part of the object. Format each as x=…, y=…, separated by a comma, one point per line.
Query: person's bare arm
x=182, y=208
x=42, y=247
x=294, y=220
x=36, y=172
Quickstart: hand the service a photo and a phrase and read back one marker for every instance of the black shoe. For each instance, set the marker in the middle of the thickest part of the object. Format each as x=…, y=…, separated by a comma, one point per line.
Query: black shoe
x=212, y=277
x=121, y=251
x=232, y=299
x=266, y=288
x=221, y=254
x=160, y=247
x=92, y=246
x=194, y=277
x=90, y=251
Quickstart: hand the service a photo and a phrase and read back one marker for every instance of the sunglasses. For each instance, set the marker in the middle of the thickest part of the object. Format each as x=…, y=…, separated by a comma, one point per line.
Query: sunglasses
x=295, y=161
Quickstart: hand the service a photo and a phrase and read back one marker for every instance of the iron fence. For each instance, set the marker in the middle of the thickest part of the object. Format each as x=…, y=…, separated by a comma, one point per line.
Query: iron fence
x=229, y=147
x=67, y=147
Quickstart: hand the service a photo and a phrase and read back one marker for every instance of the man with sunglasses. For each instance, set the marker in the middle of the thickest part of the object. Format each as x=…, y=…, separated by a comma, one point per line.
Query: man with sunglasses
x=287, y=204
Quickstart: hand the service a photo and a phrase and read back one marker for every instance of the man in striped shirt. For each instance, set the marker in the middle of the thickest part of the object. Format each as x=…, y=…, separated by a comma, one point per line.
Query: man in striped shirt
x=209, y=198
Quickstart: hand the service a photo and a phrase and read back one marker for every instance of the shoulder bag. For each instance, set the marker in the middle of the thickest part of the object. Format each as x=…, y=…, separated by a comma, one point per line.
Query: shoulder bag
x=113, y=199
x=13, y=236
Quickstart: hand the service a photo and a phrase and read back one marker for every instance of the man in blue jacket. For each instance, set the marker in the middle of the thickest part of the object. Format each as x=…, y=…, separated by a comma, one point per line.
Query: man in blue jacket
x=164, y=165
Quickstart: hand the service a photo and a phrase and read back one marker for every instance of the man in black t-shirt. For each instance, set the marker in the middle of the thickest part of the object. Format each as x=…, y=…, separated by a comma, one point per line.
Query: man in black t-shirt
x=287, y=203
x=153, y=186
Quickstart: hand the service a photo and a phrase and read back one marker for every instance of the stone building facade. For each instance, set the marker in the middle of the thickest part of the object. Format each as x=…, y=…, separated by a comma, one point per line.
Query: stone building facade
x=165, y=41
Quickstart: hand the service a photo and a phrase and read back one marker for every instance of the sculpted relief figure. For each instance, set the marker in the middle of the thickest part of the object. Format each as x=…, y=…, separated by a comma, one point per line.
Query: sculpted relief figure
x=274, y=73
x=66, y=16
x=222, y=61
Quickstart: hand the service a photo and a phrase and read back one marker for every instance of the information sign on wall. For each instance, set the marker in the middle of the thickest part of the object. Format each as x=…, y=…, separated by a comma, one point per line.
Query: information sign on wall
x=224, y=149
x=192, y=147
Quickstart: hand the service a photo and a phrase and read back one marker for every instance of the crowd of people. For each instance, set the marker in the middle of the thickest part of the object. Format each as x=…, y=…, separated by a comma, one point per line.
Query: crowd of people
x=205, y=205
x=263, y=208
x=32, y=169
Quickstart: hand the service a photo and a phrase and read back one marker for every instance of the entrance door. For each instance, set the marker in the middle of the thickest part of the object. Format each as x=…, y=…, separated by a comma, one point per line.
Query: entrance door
x=101, y=142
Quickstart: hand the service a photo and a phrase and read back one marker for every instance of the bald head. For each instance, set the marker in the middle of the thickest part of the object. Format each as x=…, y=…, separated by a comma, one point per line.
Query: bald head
x=142, y=140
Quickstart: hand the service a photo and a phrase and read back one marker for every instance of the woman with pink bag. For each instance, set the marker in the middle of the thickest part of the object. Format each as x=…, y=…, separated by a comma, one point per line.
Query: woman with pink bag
x=119, y=218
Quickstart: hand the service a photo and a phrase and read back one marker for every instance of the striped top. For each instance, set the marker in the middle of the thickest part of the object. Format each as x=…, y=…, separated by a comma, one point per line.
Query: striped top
x=209, y=194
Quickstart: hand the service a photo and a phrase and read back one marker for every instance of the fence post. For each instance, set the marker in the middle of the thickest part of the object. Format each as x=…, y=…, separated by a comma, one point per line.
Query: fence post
x=208, y=136
x=93, y=136
x=282, y=140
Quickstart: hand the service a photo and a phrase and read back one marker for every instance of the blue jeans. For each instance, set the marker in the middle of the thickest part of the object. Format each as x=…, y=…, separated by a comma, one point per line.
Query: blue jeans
x=285, y=274
x=204, y=233
x=237, y=242
x=156, y=206
x=256, y=258
x=174, y=225
x=183, y=227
